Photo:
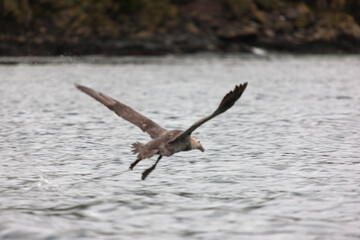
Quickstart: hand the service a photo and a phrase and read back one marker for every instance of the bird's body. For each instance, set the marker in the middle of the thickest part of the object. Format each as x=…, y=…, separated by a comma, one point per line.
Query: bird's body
x=162, y=145
x=164, y=142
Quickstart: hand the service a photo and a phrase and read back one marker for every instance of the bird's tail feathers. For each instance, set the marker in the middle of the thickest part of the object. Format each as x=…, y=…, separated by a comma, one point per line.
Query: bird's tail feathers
x=136, y=147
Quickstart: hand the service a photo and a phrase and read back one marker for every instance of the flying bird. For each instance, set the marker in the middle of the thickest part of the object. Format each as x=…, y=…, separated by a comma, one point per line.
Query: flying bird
x=164, y=142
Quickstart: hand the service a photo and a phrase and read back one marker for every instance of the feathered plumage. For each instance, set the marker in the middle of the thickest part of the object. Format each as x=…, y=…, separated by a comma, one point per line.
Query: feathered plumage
x=164, y=142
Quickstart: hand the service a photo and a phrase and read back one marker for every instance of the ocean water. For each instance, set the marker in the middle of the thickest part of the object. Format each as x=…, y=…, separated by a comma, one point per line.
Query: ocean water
x=283, y=163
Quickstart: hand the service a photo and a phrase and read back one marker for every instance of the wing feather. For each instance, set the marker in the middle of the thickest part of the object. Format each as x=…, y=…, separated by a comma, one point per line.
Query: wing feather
x=126, y=112
x=227, y=102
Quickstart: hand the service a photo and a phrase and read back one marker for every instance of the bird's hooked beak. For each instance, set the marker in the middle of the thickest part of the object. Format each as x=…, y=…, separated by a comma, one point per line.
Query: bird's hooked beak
x=201, y=148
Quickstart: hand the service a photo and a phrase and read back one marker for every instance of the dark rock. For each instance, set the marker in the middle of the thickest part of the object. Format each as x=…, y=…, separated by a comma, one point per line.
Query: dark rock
x=179, y=26
x=244, y=33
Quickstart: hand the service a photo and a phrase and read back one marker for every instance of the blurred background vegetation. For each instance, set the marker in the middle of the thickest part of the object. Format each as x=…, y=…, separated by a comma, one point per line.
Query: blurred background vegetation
x=176, y=24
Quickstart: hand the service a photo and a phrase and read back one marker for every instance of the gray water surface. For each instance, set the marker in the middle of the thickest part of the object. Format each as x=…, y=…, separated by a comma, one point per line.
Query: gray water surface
x=283, y=163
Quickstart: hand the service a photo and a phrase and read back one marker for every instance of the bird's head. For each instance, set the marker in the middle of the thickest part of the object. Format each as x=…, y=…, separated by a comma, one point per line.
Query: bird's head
x=195, y=144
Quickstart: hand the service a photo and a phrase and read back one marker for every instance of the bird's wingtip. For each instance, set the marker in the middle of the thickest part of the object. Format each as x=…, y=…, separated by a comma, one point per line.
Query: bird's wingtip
x=243, y=84
x=78, y=86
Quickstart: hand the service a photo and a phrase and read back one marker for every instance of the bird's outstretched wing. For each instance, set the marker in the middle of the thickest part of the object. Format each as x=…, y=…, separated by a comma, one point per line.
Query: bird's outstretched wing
x=227, y=102
x=126, y=112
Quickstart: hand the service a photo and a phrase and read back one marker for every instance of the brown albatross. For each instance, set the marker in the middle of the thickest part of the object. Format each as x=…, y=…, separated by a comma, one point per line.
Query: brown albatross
x=164, y=142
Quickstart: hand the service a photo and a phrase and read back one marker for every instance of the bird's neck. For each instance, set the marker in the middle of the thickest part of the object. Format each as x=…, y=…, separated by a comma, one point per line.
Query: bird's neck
x=193, y=144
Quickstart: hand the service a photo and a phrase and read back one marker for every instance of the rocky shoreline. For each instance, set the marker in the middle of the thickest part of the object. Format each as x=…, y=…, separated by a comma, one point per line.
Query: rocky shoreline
x=190, y=27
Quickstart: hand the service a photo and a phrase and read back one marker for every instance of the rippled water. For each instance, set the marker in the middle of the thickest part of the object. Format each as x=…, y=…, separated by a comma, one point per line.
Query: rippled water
x=283, y=163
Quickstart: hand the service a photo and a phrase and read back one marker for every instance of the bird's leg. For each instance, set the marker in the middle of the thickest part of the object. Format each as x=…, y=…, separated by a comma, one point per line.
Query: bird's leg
x=134, y=163
x=149, y=170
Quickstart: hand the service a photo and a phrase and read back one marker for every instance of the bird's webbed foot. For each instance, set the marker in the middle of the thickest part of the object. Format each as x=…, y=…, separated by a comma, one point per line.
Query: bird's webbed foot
x=149, y=170
x=134, y=164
